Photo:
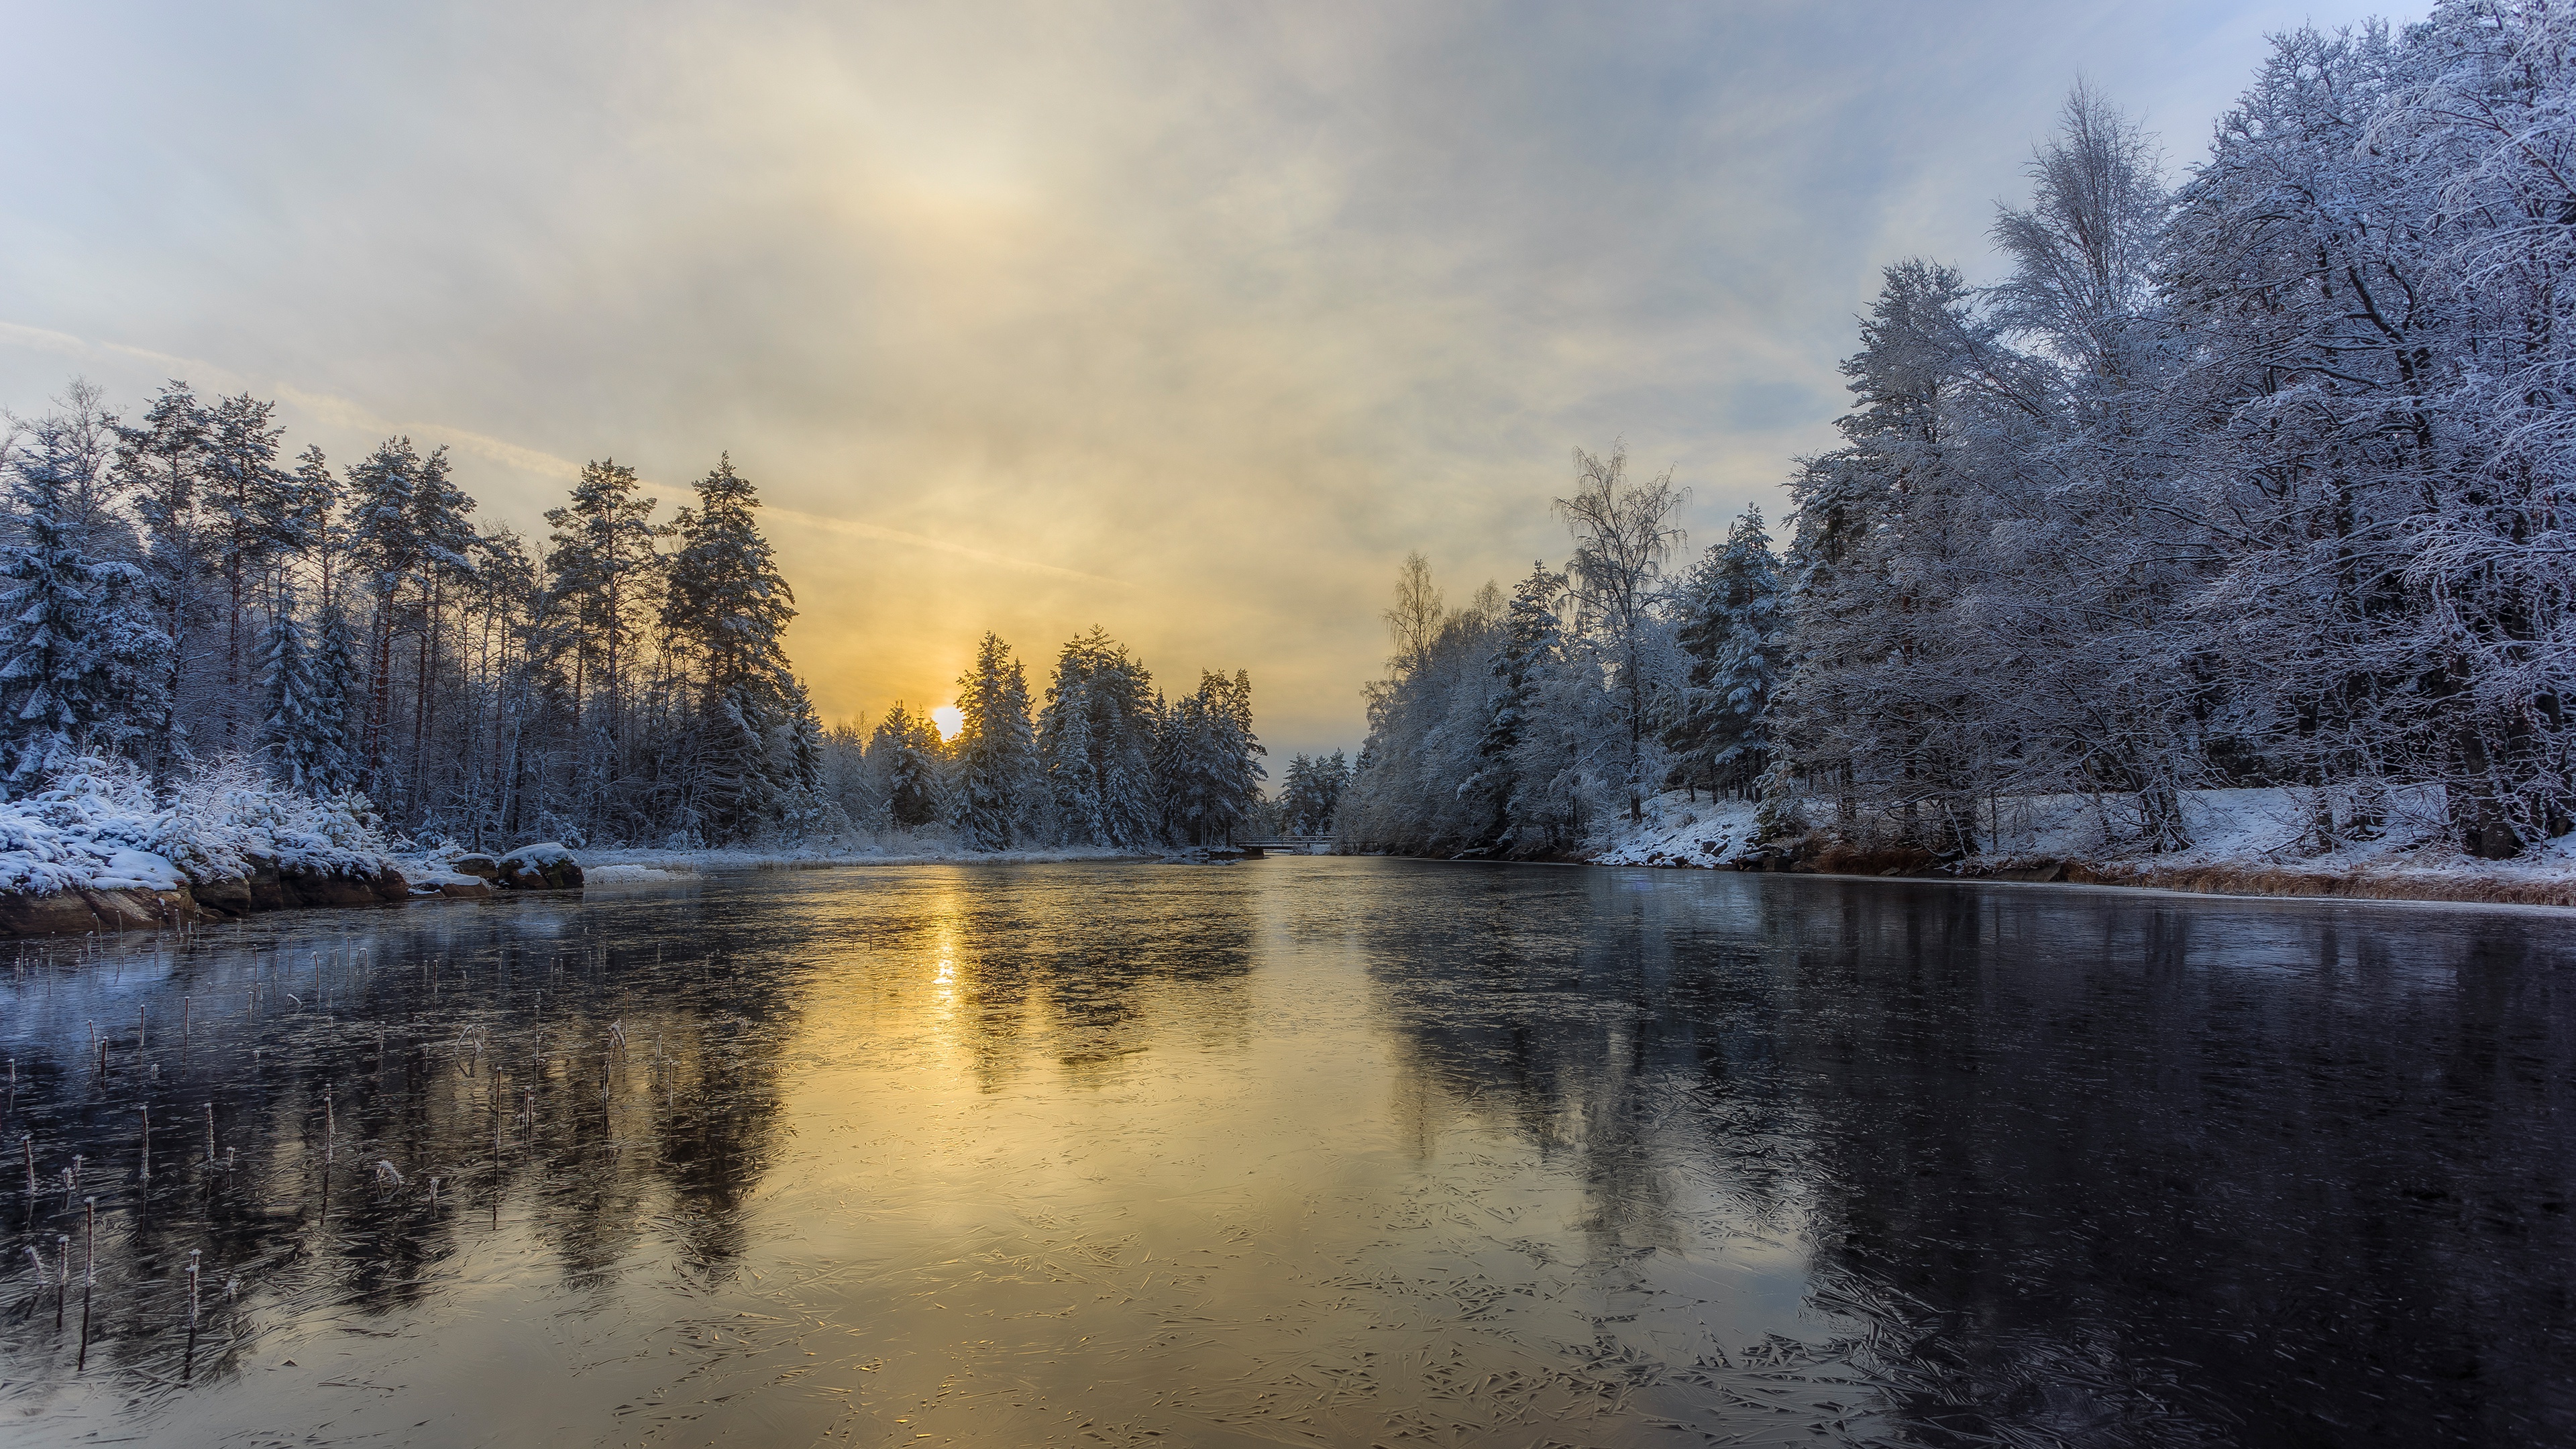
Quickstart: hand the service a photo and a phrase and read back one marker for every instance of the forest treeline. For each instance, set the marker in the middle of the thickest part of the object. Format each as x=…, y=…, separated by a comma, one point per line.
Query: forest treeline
x=2260, y=477
x=1105, y=760
x=181, y=598
x=180, y=593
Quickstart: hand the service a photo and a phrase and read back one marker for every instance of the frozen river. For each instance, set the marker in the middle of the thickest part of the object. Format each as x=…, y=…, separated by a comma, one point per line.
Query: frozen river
x=1302, y=1151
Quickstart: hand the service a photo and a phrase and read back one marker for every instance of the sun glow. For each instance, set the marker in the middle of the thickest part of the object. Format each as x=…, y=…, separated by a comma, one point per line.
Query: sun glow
x=950, y=720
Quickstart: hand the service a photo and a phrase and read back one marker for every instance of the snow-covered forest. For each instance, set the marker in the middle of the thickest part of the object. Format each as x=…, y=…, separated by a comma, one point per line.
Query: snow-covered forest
x=186, y=604
x=1106, y=760
x=182, y=596
x=2257, y=474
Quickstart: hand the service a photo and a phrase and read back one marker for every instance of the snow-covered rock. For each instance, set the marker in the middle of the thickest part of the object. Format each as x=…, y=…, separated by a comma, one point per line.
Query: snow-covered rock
x=543, y=866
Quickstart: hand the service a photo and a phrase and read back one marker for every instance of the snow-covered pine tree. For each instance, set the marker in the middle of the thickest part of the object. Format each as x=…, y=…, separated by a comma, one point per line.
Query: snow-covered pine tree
x=1064, y=748
x=299, y=741
x=445, y=539
x=803, y=750
x=724, y=611
x=161, y=464
x=77, y=632
x=1885, y=699
x=1309, y=793
x=1729, y=624
x=997, y=757
x=383, y=555
x=905, y=755
x=1219, y=758
x=1103, y=699
x=258, y=517
x=1529, y=639
x=339, y=696
x=601, y=569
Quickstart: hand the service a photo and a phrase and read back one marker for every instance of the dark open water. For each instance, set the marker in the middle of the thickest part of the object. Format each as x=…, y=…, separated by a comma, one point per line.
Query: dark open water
x=1304, y=1152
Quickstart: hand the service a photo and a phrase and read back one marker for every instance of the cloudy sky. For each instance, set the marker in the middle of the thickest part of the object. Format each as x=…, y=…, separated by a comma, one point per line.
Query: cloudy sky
x=1187, y=320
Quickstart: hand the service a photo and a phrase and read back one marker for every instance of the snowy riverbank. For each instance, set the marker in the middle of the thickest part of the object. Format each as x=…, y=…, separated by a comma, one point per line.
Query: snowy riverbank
x=97, y=851
x=2261, y=842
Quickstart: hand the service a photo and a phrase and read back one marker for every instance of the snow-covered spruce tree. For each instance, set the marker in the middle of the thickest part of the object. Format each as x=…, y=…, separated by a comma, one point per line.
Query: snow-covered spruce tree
x=906, y=757
x=1209, y=769
x=1883, y=702
x=76, y=630
x=299, y=741
x=846, y=783
x=998, y=777
x=1528, y=651
x=1064, y=752
x=1097, y=738
x=1728, y=620
x=1311, y=791
x=339, y=693
x=725, y=610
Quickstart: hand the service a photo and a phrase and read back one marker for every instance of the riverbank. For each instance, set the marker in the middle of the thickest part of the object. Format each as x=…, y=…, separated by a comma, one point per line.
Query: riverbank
x=99, y=852
x=2254, y=842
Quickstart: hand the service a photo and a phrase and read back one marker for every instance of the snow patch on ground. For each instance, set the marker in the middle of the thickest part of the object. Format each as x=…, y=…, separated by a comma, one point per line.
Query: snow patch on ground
x=1683, y=829
x=630, y=875
x=2286, y=829
x=100, y=827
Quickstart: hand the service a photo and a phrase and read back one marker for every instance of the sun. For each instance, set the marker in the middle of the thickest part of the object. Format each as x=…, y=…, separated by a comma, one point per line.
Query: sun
x=950, y=720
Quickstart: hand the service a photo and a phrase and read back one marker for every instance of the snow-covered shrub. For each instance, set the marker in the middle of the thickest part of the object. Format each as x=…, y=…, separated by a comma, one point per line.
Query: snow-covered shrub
x=98, y=825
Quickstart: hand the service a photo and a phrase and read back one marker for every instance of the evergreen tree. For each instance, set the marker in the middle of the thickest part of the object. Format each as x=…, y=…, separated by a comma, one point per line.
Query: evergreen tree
x=1531, y=636
x=1098, y=735
x=383, y=556
x=1730, y=625
x=998, y=775
x=905, y=756
x=724, y=611
x=1310, y=793
x=338, y=695
x=296, y=737
x=602, y=565
x=445, y=549
x=258, y=517
x=162, y=463
x=1064, y=747
x=1207, y=764
x=73, y=627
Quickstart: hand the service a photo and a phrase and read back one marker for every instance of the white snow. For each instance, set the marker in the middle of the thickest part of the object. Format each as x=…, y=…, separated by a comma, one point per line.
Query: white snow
x=631, y=875
x=1684, y=830
x=101, y=828
x=2246, y=829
